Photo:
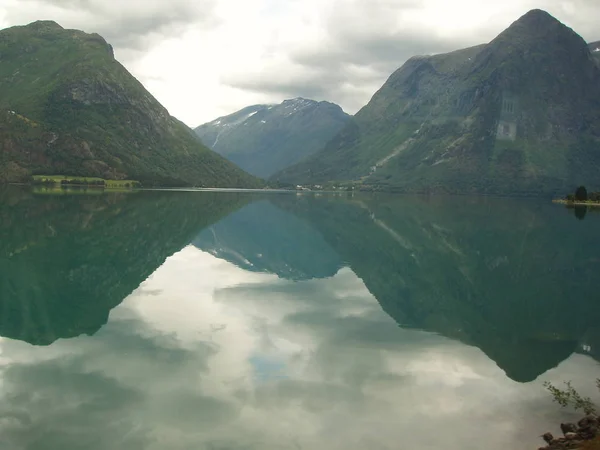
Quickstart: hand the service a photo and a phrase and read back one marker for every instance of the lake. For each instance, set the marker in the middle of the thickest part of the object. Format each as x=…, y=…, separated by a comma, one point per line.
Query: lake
x=230, y=320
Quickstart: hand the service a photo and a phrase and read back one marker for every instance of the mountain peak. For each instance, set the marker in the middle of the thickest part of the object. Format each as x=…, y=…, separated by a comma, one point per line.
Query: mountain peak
x=44, y=25
x=535, y=24
x=78, y=82
x=535, y=39
x=299, y=100
x=537, y=15
x=265, y=139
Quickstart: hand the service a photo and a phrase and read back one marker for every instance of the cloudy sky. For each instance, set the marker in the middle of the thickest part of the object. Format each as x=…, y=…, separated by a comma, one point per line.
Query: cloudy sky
x=206, y=58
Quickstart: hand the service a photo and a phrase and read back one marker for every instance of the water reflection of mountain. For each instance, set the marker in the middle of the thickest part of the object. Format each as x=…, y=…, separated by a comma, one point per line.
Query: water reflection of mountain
x=263, y=238
x=66, y=261
x=514, y=278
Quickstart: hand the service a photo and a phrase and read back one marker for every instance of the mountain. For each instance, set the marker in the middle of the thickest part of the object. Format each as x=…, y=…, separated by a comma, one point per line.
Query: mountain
x=261, y=237
x=595, y=49
x=67, y=260
x=519, y=115
x=263, y=139
x=505, y=276
x=68, y=107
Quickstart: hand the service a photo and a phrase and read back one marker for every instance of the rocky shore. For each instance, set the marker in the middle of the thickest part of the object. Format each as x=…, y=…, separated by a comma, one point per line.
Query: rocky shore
x=583, y=435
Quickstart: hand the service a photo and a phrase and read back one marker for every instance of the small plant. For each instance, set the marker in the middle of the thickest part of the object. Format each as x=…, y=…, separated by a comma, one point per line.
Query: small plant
x=570, y=397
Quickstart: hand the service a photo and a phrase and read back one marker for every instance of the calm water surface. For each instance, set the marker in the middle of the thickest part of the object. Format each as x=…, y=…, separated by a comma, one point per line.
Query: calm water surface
x=204, y=320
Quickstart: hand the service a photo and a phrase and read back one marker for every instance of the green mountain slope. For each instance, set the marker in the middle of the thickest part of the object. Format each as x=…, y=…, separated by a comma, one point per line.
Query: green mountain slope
x=520, y=115
x=68, y=107
x=263, y=139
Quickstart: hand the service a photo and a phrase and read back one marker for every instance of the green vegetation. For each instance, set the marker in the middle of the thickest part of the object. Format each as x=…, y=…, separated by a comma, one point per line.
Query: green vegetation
x=517, y=116
x=264, y=139
x=582, y=197
x=84, y=181
x=570, y=397
x=67, y=106
x=581, y=194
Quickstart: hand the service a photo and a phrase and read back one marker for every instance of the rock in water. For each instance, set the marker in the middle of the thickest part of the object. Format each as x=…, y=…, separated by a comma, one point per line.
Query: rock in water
x=568, y=428
x=548, y=437
x=588, y=421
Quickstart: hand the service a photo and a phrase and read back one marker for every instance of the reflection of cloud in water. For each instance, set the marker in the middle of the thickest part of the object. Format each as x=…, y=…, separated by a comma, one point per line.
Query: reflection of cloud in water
x=206, y=355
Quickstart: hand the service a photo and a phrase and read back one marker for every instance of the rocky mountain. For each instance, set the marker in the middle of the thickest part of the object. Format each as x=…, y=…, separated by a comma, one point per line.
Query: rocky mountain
x=263, y=139
x=68, y=107
x=519, y=115
x=67, y=260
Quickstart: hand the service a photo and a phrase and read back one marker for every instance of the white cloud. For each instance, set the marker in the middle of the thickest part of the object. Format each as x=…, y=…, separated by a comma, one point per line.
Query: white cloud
x=209, y=58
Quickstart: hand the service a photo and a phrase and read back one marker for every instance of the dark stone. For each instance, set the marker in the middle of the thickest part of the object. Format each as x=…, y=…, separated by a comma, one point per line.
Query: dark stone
x=587, y=421
x=591, y=431
x=568, y=428
x=548, y=437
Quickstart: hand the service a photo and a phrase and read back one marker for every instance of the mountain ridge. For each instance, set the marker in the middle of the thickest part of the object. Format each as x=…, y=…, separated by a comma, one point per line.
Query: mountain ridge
x=68, y=106
x=518, y=115
x=263, y=139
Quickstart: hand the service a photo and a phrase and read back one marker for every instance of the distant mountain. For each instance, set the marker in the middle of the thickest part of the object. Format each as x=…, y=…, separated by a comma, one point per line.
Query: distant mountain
x=263, y=238
x=520, y=115
x=263, y=139
x=68, y=107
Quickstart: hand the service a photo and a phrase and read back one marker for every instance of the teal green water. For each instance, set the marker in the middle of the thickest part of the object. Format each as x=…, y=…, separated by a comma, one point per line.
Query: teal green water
x=211, y=320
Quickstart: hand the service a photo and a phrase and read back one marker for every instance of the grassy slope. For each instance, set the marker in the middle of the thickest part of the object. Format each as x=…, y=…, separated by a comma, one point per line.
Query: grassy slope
x=67, y=106
x=455, y=103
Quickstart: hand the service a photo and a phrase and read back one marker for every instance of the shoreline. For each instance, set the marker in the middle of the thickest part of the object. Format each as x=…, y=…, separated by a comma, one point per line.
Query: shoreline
x=568, y=203
x=582, y=435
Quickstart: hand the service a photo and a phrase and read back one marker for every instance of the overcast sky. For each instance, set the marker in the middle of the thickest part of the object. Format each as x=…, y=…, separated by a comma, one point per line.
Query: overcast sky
x=207, y=58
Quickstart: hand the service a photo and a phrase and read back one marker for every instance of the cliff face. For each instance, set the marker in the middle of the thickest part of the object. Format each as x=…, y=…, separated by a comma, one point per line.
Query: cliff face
x=520, y=115
x=68, y=107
